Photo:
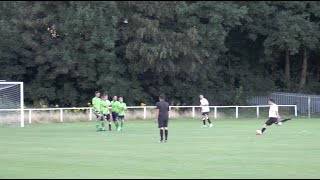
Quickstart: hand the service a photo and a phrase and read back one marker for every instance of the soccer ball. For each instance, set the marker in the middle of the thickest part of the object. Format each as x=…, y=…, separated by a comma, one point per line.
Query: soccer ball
x=258, y=132
x=279, y=123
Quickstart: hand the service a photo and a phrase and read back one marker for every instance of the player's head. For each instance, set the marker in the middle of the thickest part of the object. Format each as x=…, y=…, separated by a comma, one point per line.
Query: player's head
x=200, y=96
x=104, y=97
x=114, y=98
x=271, y=101
x=97, y=93
x=120, y=99
x=162, y=97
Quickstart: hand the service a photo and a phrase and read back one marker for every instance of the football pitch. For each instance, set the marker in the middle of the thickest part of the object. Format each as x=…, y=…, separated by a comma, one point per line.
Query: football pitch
x=228, y=150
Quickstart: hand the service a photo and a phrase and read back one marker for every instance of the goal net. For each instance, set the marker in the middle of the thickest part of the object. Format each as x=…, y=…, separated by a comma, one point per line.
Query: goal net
x=11, y=103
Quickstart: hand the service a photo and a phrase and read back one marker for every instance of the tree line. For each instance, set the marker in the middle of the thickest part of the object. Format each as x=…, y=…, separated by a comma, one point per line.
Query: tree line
x=64, y=51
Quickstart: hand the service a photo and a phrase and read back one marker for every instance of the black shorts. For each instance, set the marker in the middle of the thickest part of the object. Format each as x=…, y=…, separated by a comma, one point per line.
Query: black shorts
x=121, y=117
x=115, y=116
x=271, y=120
x=205, y=113
x=106, y=116
x=163, y=122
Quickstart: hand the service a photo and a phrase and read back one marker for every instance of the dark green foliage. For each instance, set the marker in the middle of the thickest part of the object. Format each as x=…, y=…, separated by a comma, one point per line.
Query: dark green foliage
x=227, y=50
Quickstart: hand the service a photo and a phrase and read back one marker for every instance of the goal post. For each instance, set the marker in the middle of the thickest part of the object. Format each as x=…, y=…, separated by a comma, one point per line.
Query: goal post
x=11, y=102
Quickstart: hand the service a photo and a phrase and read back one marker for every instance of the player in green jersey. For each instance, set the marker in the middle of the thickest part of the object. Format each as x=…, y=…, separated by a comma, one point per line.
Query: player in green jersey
x=104, y=110
x=115, y=110
x=122, y=109
x=96, y=102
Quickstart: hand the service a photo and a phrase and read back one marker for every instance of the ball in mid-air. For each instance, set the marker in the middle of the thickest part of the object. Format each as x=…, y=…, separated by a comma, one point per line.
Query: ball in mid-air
x=258, y=132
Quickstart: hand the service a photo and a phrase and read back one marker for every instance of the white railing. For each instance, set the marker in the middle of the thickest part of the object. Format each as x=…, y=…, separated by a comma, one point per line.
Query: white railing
x=145, y=110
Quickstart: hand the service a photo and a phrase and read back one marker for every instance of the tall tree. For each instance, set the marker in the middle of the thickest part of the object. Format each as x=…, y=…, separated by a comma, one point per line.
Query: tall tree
x=288, y=29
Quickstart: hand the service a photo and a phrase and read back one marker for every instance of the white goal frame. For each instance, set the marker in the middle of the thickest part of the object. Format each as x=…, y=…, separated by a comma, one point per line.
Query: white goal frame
x=21, y=109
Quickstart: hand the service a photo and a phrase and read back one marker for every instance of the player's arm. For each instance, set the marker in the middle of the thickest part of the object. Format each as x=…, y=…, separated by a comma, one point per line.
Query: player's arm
x=157, y=113
x=277, y=112
x=122, y=107
x=94, y=105
x=278, y=115
x=102, y=106
x=119, y=108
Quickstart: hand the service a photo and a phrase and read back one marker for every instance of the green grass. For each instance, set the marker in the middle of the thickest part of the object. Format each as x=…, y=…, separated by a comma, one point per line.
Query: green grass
x=228, y=150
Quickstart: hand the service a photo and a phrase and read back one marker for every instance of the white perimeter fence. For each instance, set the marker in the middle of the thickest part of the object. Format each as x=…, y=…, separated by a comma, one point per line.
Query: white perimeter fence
x=215, y=110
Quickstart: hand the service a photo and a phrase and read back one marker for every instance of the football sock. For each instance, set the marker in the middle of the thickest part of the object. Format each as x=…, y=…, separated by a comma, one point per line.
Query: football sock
x=209, y=121
x=103, y=125
x=161, y=134
x=263, y=129
x=121, y=124
x=285, y=120
x=204, y=122
x=109, y=126
x=116, y=123
x=166, y=133
x=98, y=124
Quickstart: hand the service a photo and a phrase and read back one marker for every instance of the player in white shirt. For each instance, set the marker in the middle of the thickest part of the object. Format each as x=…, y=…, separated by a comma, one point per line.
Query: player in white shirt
x=274, y=115
x=205, y=111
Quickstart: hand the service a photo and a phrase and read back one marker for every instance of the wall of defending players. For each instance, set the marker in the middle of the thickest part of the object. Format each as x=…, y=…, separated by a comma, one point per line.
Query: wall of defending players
x=108, y=112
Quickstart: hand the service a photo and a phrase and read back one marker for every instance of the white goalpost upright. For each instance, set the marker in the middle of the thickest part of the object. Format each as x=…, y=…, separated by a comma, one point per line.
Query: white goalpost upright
x=11, y=102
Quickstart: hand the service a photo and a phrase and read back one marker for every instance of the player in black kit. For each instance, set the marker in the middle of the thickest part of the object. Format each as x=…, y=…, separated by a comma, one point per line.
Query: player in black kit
x=162, y=114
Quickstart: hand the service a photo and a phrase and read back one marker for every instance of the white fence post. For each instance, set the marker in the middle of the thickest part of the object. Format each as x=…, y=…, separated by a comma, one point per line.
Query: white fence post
x=193, y=112
x=144, y=112
x=258, y=115
x=30, y=116
x=61, y=115
x=295, y=110
x=90, y=114
x=309, y=106
x=215, y=112
x=22, y=104
x=237, y=111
